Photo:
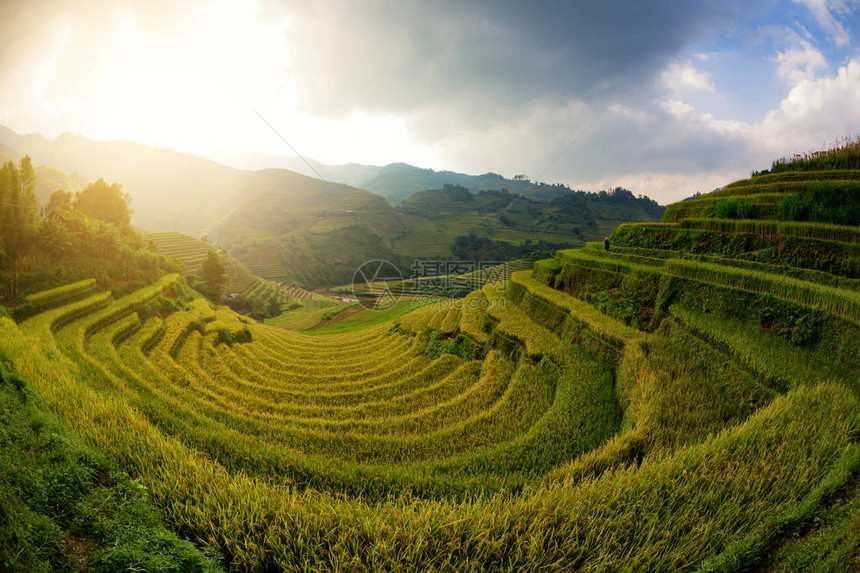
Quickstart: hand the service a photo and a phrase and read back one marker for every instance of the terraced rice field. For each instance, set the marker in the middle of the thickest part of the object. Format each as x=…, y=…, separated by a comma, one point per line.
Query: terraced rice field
x=184, y=248
x=672, y=404
x=265, y=262
x=286, y=448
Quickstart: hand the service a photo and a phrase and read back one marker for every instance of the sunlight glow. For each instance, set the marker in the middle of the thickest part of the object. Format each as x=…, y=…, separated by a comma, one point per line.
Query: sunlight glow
x=192, y=85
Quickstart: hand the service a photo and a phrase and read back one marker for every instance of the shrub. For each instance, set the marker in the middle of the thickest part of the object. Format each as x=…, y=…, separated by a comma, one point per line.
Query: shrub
x=734, y=209
x=824, y=202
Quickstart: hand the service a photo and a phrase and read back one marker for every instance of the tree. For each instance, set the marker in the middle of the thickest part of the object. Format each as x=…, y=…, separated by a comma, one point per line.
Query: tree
x=59, y=199
x=211, y=276
x=273, y=306
x=105, y=202
x=19, y=216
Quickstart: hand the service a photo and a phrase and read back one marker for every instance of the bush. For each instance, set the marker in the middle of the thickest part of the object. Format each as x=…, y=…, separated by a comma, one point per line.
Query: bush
x=824, y=202
x=734, y=209
x=462, y=346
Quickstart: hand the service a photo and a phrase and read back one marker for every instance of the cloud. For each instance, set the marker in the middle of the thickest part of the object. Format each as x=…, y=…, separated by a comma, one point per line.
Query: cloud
x=481, y=86
x=681, y=76
x=799, y=61
x=827, y=13
x=480, y=60
x=668, y=187
x=815, y=112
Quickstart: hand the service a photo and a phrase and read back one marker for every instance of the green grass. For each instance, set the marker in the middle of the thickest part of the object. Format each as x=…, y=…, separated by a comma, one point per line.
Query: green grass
x=823, y=231
x=513, y=322
x=845, y=304
x=526, y=426
x=603, y=325
x=59, y=293
x=366, y=318
x=833, y=544
x=291, y=406
x=66, y=506
x=777, y=362
x=796, y=177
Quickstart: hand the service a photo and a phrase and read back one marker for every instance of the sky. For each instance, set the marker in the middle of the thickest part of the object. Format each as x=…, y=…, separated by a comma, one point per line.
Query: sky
x=665, y=97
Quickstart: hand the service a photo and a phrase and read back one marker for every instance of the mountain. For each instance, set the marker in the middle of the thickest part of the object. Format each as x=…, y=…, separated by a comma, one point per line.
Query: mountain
x=315, y=232
x=395, y=181
x=298, y=228
x=438, y=218
x=354, y=174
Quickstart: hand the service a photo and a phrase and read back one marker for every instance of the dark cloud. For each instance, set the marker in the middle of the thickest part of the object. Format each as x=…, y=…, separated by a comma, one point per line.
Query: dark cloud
x=486, y=58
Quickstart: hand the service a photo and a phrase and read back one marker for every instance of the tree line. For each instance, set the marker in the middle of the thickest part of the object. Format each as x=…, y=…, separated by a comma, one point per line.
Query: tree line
x=93, y=223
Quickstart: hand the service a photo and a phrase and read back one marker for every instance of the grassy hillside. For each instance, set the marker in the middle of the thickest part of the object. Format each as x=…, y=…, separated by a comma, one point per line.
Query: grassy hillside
x=49, y=180
x=436, y=218
x=191, y=252
x=399, y=181
x=66, y=506
x=686, y=401
x=292, y=228
x=321, y=238
x=566, y=404
x=170, y=190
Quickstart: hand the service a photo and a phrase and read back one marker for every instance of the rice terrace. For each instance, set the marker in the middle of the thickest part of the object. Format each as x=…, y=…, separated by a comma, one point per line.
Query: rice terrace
x=394, y=371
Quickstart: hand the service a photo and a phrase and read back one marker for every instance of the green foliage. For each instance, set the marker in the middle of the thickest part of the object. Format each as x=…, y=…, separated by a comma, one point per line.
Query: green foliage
x=824, y=202
x=611, y=330
x=211, y=276
x=733, y=209
x=542, y=420
x=66, y=507
x=19, y=218
x=820, y=254
x=841, y=155
x=59, y=199
x=105, y=202
x=831, y=545
x=827, y=232
x=777, y=362
x=845, y=304
x=228, y=337
x=461, y=346
x=473, y=248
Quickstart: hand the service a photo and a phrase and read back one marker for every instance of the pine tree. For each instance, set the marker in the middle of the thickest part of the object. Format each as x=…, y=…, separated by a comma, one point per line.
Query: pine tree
x=19, y=216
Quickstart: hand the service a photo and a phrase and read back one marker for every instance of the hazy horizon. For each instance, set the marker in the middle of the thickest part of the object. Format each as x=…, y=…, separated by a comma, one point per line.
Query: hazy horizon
x=665, y=99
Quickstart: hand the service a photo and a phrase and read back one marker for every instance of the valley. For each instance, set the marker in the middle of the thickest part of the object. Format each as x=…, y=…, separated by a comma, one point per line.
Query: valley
x=683, y=398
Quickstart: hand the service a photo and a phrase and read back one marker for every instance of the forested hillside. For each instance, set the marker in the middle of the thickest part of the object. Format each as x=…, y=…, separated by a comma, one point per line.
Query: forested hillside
x=500, y=225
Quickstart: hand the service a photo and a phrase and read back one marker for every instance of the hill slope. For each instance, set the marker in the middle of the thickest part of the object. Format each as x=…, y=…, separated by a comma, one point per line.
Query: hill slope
x=435, y=219
x=676, y=403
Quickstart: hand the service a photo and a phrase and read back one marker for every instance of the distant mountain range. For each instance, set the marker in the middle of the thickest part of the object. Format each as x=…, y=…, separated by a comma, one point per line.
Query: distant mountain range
x=318, y=232
x=395, y=181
